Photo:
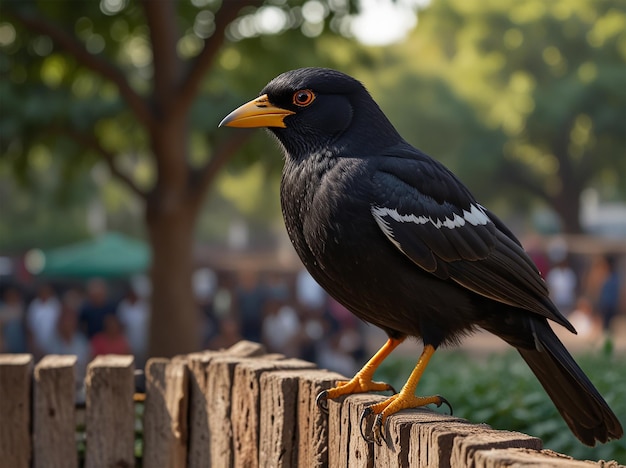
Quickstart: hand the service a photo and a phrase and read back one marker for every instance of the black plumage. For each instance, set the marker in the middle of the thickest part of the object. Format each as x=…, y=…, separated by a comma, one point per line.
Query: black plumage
x=396, y=237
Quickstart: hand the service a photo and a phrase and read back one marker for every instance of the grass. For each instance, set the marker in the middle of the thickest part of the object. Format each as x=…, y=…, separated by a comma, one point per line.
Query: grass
x=502, y=392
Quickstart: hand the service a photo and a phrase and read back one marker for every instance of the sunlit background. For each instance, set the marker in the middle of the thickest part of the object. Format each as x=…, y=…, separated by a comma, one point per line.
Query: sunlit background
x=112, y=166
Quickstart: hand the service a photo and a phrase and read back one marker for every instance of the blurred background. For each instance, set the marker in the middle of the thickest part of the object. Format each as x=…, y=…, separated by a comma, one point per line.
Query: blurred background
x=130, y=223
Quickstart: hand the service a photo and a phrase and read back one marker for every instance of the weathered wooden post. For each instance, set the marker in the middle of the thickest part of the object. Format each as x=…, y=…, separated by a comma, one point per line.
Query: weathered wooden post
x=110, y=416
x=245, y=414
x=15, y=385
x=54, y=428
x=165, y=414
x=200, y=407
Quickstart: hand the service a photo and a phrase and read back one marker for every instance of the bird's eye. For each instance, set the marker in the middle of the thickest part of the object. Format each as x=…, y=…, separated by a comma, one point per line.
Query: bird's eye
x=303, y=98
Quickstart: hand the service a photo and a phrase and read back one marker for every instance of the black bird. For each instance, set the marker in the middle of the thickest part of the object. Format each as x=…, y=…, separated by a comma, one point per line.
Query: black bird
x=396, y=238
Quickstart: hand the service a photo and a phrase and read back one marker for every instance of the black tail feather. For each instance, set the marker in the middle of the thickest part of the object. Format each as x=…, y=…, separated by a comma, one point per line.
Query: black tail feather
x=579, y=402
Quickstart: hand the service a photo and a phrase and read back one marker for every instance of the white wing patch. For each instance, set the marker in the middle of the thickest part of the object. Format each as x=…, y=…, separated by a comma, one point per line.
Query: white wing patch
x=475, y=216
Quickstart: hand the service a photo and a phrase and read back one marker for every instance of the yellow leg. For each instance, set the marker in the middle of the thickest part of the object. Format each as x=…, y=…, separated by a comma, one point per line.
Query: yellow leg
x=406, y=398
x=363, y=381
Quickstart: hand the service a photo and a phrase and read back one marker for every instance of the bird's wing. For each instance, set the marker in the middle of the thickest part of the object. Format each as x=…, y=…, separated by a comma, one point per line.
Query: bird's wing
x=429, y=215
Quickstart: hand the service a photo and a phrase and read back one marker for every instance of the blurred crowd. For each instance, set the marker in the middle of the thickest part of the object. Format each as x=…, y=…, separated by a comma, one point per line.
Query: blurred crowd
x=82, y=321
x=589, y=290
x=287, y=312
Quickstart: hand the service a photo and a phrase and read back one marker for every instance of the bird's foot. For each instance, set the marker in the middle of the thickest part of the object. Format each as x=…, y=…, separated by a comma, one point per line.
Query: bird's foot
x=390, y=406
x=358, y=384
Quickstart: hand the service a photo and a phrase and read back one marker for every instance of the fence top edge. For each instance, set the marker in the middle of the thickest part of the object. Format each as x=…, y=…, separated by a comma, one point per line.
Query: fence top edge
x=15, y=359
x=56, y=361
x=112, y=360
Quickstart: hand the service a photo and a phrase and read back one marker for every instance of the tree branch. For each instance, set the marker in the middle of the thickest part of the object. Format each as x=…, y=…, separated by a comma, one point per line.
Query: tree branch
x=203, y=177
x=518, y=175
x=203, y=61
x=97, y=64
x=90, y=141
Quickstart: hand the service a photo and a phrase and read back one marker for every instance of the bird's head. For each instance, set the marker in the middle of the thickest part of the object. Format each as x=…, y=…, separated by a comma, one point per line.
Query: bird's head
x=317, y=109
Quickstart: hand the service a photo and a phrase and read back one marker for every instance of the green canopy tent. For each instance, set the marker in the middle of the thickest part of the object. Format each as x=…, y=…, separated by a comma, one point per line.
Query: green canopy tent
x=111, y=255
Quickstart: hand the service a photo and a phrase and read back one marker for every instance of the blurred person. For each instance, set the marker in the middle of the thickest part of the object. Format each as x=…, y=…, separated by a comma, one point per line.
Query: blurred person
x=134, y=313
x=309, y=294
x=314, y=327
x=341, y=315
x=223, y=299
x=250, y=297
x=67, y=337
x=204, y=281
x=584, y=318
x=595, y=276
x=96, y=308
x=281, y=326
x=608, y=302
x=41, y=317
x=562, y=284
x=228, y=335
x=111, y=340
x=333, y=357
x=12, y=317
x=221, y=306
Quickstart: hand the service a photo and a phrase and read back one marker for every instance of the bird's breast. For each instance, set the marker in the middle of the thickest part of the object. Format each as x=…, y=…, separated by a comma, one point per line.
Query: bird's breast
x=327, y=211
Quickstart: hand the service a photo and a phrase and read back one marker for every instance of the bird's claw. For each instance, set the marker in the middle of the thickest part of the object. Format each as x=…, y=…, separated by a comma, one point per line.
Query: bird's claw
x=322, y=401
x=363, y=419
x=378, y=435
x=377, y=431
x=443, y=401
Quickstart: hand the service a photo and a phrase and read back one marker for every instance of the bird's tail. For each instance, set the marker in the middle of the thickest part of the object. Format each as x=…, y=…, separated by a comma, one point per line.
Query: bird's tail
x=579, y=402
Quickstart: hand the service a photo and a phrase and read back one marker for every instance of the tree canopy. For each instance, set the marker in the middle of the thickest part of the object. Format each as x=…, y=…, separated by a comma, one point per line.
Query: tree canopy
x=528, y=95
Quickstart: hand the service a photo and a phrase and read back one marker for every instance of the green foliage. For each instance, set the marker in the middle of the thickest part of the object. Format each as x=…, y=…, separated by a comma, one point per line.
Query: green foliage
x=59, y=103
x=502, y=392
x=528, y=94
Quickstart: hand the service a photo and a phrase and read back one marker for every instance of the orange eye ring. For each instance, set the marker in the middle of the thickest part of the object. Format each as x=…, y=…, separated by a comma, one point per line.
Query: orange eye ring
x=303, y=97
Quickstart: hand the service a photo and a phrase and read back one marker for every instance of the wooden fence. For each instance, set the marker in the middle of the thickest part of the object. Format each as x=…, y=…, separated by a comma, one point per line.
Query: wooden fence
x=239, y=407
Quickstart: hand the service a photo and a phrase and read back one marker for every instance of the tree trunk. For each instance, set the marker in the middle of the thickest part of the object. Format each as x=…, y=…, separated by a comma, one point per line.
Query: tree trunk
x=170, y=217
x=175, y=324
x=567, y=204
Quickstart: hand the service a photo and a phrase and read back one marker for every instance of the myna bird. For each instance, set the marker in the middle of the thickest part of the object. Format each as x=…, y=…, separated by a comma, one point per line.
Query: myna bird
x=398, y=239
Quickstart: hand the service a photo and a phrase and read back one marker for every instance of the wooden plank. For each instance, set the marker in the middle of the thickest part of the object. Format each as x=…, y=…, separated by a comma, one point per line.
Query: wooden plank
x=199, y=415
x=361, y=452
x=313, y=440
x=346, y=445
x=278, y=441
x=199, y=453
x=219, y=388
x=294, y=432
x=246, y=348
x=529, y=458
x=165, y=413
x=110, y=413
x=464, y=449
x=245, y=413
x=221, y=370
x=408, y=438
x=396, y=449
x=15, y=385
x=436, y=439
x=54, y=432
x=338, y=427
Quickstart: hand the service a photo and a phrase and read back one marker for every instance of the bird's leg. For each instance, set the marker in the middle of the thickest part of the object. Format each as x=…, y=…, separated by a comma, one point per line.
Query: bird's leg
x=403, y=400
x=363, y=381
